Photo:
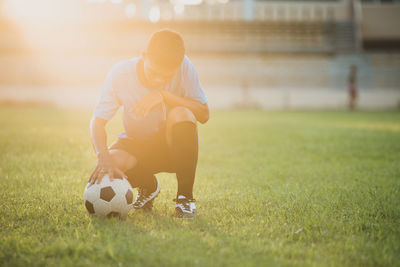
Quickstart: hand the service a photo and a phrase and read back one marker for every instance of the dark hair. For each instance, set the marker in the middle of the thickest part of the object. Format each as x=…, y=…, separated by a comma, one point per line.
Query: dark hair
x=166, y=48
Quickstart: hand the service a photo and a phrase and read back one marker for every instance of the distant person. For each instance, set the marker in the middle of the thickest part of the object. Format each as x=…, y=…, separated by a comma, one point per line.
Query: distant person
x=352, y=87
x=162, y=102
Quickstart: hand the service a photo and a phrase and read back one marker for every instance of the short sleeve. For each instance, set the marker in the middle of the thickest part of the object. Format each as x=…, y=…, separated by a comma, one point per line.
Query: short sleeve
x=191, y=83
x=108, y=103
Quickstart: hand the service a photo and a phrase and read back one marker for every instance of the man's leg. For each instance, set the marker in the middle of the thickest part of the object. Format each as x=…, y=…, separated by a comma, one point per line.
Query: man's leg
x=134, y=166
x=142, y=179
x=123, y=160
x=148, y=187
x=128, y=164
x=183, y=144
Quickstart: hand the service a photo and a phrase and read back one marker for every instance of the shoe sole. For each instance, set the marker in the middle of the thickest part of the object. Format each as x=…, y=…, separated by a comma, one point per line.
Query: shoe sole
x=179, y=214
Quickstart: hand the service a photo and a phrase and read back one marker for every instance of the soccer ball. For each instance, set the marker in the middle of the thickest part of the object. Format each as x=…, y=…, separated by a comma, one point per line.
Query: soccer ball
x=109, y=199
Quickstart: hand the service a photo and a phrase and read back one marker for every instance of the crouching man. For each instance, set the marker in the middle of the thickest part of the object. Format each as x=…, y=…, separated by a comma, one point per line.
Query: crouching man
x=162, y=102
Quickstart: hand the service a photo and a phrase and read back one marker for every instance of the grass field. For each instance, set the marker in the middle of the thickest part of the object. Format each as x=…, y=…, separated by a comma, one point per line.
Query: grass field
x=272, y=188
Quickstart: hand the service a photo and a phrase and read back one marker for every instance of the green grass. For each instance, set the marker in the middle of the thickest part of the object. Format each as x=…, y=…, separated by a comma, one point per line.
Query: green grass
x=272, y=188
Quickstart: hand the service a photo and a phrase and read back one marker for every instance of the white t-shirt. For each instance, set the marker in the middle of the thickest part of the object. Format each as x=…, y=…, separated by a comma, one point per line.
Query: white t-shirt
x=123, y=88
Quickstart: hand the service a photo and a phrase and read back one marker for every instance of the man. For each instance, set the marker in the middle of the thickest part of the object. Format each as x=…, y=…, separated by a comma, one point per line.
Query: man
x=352, y=87
x=162, y=101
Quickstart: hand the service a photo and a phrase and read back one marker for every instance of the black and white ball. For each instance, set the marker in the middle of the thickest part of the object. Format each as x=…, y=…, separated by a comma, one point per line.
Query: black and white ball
x=109, y=199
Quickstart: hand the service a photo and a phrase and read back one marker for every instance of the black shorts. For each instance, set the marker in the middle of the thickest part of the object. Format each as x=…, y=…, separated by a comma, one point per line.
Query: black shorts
x=153, y=155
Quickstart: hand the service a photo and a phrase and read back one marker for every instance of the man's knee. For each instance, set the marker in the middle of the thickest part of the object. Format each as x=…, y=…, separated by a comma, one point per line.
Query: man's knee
x=176, y=116
x=180, y=114
x=123, y=160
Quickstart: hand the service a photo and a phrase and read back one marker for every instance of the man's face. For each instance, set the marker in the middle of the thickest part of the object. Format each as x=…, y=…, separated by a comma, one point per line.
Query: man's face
x=156, y=75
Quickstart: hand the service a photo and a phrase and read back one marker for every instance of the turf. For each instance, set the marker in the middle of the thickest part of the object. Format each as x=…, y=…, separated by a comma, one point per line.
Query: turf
x=272, y=188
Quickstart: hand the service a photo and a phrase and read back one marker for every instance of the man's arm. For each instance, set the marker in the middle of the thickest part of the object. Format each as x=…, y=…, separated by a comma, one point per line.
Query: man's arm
x=98, y=135
x=105, y=162
x=200, y=111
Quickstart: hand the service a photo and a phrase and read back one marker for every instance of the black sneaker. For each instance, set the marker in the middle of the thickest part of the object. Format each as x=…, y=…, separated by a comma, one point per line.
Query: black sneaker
x=185, y=207
x=144, y=199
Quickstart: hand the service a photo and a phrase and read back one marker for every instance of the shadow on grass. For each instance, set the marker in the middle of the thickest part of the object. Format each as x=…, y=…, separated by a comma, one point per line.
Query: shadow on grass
x=153, y=238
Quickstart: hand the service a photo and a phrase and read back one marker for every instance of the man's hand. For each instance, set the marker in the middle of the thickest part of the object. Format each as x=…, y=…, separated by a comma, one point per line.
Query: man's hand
x=105, y=164
x=144, y=105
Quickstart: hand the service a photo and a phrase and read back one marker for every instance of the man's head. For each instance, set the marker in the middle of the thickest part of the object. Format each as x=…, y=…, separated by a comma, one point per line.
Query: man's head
x=163, y=56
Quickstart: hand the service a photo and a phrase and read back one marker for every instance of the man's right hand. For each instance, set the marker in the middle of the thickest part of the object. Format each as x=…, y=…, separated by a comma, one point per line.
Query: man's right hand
x=105, y=165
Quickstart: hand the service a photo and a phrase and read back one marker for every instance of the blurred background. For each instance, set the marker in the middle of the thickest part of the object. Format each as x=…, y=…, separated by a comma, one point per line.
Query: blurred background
x=248, y=53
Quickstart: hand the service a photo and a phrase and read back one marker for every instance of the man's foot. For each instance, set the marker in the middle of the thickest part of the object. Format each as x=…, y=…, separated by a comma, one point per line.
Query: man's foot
x=144, y=199
x=185, y=207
